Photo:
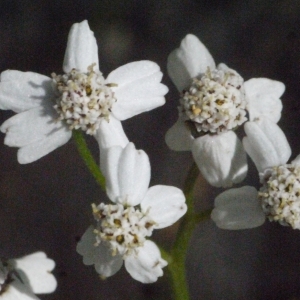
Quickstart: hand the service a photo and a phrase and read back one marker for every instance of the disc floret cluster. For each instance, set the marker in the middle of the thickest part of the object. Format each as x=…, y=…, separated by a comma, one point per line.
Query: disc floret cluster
x=216, y=102
x=84, y=99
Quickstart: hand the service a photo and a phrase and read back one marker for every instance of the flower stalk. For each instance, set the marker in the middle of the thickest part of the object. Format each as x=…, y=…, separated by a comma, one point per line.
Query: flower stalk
x=177, y=256
x=88, y=159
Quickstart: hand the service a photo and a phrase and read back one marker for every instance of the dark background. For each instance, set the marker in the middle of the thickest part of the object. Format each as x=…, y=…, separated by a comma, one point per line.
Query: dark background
x=46, y=205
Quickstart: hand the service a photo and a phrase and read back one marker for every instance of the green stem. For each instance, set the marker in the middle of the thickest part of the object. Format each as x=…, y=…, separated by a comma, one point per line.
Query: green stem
x=178, y=253
x=87, y=157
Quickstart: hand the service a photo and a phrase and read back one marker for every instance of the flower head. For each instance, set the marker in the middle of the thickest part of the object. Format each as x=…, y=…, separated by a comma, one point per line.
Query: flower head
x=22, y=278
x=84, y=99
x=280, y=195
x=48, y=109
x=278, y=198
x=122, y=228
x=214, y=101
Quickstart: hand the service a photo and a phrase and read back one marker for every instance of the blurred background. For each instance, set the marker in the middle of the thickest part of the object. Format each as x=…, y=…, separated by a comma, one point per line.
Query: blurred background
x=46, y=205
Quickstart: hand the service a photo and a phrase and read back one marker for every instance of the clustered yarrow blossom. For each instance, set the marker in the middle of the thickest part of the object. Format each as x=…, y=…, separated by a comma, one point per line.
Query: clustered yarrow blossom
x=49, y=108
x=22, y=278
x=280, y=195
x=278, y=198
x=214, y=101
x=84, y=99
x=121, y=229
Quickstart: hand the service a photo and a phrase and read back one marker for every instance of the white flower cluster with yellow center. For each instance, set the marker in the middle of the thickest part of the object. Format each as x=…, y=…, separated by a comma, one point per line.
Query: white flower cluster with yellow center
x=122, y=228
x=280, y=195
x=125, y=228
x=84, y=99
x=216, y=102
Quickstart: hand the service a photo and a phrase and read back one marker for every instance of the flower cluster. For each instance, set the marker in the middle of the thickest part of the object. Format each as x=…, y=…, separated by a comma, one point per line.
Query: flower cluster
x=121, y=228
x=279, y=196
x=49, y=108
x=215, y=101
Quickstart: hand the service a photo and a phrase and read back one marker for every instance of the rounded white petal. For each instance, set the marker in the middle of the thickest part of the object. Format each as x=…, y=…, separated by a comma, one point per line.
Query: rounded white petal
x=138, y=88
x=263, y=98
x=20, y=91
x=190, y=60
x=35, y=151
x=100, y=256
x=178, y=137
x=296, y=161
x=82, y=49
x=109, y=165
x=238, y=209
x=35, y=271
x=111, y=134
x=30, y=126
x=127, y=174
x=145, y=265
x=220, y=158
x=164, y=204
x=266, y=144
x=35, y=132
x=86, y=246
x=105, y=264
x=16, y=290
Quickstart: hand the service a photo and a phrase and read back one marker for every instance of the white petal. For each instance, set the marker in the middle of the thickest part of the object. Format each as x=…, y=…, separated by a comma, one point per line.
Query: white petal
x=220, y=158
x=139, y=88
x=82, y=50
x=109, y=165
x=165, y=205
x=296, y=161
x=18, y=291
x=127, y=174
x=190, y=60
x=238, y=209
x=29, y=126
x=86, y=246
x=266, y=144
x=263, y=98
x=36, y=133
x=20, y=91
x=35, y=271
x=105, y=264
x=178, y=137
x=111, y=134
x=35, y=151
x=145, y=265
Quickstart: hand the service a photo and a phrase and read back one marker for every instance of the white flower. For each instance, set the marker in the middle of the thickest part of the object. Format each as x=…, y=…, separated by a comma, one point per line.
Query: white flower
x=213, y=102
x=122, y=228
x=278, y=199
x=22, y=278
x=49, y=108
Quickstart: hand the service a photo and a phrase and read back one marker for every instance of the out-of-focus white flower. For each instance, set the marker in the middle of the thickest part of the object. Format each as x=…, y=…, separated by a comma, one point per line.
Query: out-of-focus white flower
x=279, y=197
x=49, y=108
x=22, y=278
x=122, y=228
x=213, y=102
